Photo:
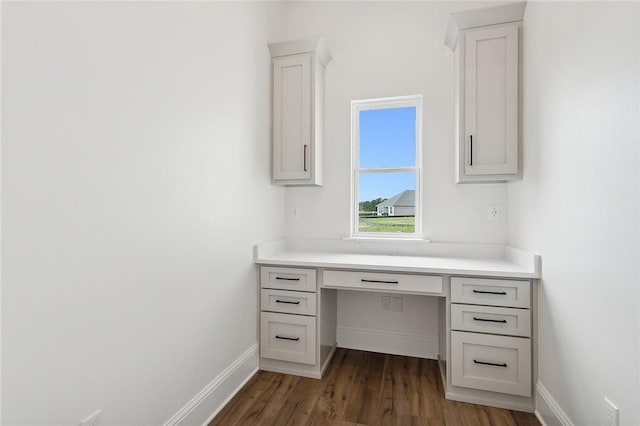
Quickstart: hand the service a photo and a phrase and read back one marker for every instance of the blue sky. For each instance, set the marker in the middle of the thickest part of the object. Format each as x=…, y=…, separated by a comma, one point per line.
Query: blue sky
x=387, y=139
x=384, y=185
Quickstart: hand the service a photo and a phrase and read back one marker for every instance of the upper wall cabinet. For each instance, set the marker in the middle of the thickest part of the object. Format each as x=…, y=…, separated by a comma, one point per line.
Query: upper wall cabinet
x=486, y=43
x=298, y=103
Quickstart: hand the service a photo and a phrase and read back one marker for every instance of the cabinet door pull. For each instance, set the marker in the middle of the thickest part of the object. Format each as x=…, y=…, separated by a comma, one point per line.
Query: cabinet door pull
x=295, y=339
x=471, y=150
x=475, y=361
x=287, y=279
x=489, y=320
x=503, y=293
x=304, y=155
x=297, y=302
x=379, y=281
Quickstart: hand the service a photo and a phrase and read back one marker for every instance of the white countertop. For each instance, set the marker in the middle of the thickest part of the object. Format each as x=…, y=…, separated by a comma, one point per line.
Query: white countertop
x=502, y=261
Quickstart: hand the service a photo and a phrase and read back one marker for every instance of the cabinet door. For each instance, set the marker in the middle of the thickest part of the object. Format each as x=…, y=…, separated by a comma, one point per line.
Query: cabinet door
x=491, y=101
x=292, y=117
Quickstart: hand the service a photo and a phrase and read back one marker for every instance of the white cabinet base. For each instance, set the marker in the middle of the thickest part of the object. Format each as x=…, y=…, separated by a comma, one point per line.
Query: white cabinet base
x=509, y=386
x=499, y=400
x=310, y=324
x=311, y=371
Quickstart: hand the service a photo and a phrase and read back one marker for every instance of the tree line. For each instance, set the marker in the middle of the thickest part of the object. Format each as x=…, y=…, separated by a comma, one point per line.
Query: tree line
x=370, y=206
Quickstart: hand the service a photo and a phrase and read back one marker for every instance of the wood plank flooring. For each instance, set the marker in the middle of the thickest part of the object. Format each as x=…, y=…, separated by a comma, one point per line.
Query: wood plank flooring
x=360, y=388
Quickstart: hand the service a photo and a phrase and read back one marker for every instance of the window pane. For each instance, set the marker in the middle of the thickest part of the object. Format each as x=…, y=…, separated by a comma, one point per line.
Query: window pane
x=388, y=137
x=387, y=202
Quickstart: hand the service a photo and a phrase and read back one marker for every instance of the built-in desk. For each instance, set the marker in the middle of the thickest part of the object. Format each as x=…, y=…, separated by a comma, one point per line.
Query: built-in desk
x=486, y=309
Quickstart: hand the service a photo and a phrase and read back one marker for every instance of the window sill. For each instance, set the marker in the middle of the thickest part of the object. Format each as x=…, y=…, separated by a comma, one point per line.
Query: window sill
x=386, y=238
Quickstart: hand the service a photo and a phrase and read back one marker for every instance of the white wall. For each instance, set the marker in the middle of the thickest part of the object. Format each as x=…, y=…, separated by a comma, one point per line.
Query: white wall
x=577, y=204
x=135, y=179
x=379, y=50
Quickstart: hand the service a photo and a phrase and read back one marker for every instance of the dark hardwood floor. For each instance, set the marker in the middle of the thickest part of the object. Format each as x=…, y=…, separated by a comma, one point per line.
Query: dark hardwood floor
x=360, y=388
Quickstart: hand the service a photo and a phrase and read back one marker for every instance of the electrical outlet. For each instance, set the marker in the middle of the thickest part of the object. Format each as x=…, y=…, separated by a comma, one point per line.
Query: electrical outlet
x=613, y=414
x=386, y=303
x=493, y=212
x=295, y=213
x=397, y=304
x=92, y=419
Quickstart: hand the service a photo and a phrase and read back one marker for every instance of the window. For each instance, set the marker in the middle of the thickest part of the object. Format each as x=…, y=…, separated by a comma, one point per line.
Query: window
x=386, y=137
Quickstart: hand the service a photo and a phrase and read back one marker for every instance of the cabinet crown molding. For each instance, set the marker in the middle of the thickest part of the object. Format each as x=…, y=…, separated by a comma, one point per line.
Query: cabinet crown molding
x=467, y=19
x=306, y=45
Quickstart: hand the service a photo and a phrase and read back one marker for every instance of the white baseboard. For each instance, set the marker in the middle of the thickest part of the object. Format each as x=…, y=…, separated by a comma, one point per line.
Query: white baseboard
x=548, y=411
x=209, y=401
x=389, y=342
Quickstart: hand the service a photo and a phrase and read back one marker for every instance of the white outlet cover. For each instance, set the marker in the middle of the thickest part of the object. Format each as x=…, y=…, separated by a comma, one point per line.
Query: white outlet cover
x=386, y=303
x=493, y=212
x=397, y=304
x=295, y=213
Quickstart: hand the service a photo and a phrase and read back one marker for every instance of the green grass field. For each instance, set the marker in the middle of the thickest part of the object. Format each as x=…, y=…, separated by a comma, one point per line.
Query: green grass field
x=387, y=224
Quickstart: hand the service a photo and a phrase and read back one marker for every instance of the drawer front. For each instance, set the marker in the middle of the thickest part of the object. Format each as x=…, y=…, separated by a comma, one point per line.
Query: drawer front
x=484, y=291
x=288, y=337
x=292, y=302
x=494, y=363
x=288, y=278
x=491, y=319
x=374, y=281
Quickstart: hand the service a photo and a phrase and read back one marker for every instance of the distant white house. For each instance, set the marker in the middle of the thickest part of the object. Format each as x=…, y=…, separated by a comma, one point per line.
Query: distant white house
x=402, y=204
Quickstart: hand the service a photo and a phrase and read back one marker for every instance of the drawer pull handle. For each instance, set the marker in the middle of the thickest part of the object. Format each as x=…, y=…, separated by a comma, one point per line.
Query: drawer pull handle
x=295, y=339
x=287, y=279
x=502, y=293
x=297, y=302
x=489, y=320
x=304, y=158
x=490, y=363
x=379, y=281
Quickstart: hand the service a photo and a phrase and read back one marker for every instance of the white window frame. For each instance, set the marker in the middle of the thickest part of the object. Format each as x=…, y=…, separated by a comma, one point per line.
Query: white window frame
x=384, y=103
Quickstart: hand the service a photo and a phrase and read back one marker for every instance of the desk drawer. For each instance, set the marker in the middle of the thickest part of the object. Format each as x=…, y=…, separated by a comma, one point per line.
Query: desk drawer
x=494, y=363
x=491, y=319
x=374, y=281
x=485, y=291
x=288, y=337
x=292, y=302
x=296, y=279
